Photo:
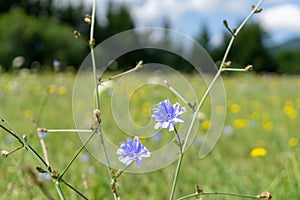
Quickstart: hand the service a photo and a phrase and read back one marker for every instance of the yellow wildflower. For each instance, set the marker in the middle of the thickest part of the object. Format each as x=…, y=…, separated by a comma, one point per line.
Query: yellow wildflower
x=235, y=108
x=258, y=152
x=268, y=126
x=205, y=124
x=293, y=141
x=62, y=90
x=51, y=89
x=240, y=123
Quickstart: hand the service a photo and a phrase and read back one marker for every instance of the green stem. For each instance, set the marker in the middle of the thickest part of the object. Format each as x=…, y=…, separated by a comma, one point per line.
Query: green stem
x=93, y=54
x=96, y=84
x=74, y=189
x=183, y=147
x=59, y=191
x=176, y=176
x=219, y=193
x=76, y=155
x=26, y=145
x=178, y=166
x=219, y=71
x=105, y=151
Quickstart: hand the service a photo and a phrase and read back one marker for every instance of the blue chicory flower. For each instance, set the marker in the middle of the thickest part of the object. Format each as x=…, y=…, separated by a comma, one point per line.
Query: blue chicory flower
x=132, y=151
x=42, y=132
x=45, y=176
x=56, y=64
x=167, y=115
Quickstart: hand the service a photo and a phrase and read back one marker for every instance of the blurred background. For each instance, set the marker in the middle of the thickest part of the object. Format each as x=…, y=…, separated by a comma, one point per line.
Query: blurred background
x=259, y=146
x=37, y=34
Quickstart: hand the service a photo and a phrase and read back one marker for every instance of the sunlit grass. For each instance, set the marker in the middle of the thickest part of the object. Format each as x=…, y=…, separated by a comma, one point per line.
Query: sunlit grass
x=262, y=115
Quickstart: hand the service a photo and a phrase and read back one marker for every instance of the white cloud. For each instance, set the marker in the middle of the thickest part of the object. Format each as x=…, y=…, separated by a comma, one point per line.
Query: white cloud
x=282, y=18
x=152, y=12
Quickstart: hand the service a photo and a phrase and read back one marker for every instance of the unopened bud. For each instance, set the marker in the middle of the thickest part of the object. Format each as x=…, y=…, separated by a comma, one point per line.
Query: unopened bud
x=227, y=64
x=88, y=18
x=77, y=34
x=41, y=170
x=92, y=42
x=258, y=10
x=167, y=83
x=139, y=65
x=225, y=23
x=4, y=153
x=249, y=67
x=97, y=115
x=25, y=138
x=198, y=189
x=266, y=195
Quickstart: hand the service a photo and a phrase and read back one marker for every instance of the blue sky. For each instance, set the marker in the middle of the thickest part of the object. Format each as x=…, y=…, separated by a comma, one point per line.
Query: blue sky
x=281, y=18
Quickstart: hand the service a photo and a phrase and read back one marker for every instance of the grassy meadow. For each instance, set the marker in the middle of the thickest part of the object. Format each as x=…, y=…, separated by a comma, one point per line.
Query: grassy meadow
x=257, y=151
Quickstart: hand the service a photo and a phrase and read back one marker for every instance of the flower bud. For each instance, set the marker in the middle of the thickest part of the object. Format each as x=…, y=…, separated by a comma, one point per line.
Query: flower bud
x=76, y=34
x=25, y=138
x=4, y=153
x=97, y=115
x=266, y=195
x=198, y=189
x=227, y=64
x=249, y=67
x=88, y=18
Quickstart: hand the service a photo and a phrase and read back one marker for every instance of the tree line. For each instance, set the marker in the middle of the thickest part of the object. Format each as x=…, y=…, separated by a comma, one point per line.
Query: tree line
x=41, y=32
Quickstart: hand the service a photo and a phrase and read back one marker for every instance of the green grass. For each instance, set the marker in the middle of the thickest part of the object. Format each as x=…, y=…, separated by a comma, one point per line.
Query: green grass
x=261, y=110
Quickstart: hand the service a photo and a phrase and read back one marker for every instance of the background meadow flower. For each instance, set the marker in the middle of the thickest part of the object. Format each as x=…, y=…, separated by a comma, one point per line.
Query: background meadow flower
x=258, y=152
x=132, y=151
x=167, y=115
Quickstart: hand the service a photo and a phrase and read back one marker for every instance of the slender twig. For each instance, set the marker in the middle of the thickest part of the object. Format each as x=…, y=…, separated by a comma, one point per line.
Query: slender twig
x=234, y=34
x=219, y=71
x=44, y=148
x=91, y=44
x=29, y=148
x=69, y=130
x=76, y=155
x=137, y=67
x=220, y=193
x=178, y=165
x=179, y=95
x=99, y=131
x=58, y=188
x=74, y=189
x=98, y=128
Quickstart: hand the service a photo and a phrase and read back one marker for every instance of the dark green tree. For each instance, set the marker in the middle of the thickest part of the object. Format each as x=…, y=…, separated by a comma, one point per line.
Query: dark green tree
x=204, y=38
x=37, y=39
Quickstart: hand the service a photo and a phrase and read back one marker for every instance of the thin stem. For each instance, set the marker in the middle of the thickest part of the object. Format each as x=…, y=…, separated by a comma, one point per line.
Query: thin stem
x=206, y=94
x=176, y=176
x=178, y=166
x=137, y=67
x=74, y=189
x=179, y=95
x=91, y=42
x=114, y=181
x=69, y=131
x=44, y=148
x=219, y=71
x=99, y=130
x=76, y=155
x=234, y=69
x=220, y=193
x=120, y=172
x=25, y=145
x=96, y=83
x=59, y=191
